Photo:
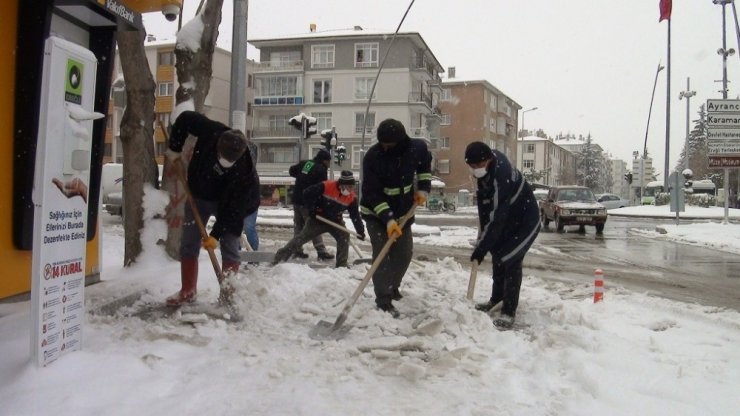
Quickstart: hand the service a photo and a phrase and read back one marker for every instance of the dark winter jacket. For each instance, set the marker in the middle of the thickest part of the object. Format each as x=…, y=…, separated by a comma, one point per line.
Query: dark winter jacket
x=325, y=199
x=306, y=173
x=388, y=178
x=507, y=210
x=236, y=189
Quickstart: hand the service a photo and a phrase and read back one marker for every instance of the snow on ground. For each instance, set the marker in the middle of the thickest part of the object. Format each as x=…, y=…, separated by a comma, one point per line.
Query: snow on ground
x=664, y=211
x=631, y=354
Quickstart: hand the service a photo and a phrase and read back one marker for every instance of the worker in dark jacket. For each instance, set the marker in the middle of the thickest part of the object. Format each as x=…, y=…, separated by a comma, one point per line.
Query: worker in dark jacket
x=388, y=193
x=328, y=199
x=223, y=183
x=509, y=223
x=307, y=173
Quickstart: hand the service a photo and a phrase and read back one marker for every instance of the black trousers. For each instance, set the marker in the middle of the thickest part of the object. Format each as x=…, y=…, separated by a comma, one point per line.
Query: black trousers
x=507, y=281
x=389, y=274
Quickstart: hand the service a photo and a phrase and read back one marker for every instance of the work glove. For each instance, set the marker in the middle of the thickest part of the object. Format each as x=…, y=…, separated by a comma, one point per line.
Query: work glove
x=421, y=197
x=209, y=243
x=478, y=255
x=394, y=231
x=361, y=236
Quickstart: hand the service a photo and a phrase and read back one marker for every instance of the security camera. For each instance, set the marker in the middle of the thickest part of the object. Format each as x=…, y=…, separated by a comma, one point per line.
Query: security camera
x=171, y=12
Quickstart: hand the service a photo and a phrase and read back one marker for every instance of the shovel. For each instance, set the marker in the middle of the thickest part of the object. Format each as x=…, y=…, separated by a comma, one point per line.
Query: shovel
x=248, y=255
x=473, y=276
x=327, y=330
x=352, y=243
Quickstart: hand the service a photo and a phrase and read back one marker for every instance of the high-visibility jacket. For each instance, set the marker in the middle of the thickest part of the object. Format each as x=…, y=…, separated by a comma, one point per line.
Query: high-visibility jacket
x=325, y=199
x=388, y=178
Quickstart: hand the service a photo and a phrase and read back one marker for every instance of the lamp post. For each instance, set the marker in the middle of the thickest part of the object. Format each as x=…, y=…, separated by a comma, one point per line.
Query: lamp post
x=521, y=158
x=724, y=52
x=687, y=94
x=647, y=128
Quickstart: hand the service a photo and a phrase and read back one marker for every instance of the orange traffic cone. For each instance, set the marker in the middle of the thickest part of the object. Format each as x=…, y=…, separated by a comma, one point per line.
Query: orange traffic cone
x=598, y=285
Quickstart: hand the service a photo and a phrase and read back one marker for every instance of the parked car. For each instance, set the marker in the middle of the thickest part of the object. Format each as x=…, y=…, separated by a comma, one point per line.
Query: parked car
x=572, y=205
x=540, y=195
x=611, y=201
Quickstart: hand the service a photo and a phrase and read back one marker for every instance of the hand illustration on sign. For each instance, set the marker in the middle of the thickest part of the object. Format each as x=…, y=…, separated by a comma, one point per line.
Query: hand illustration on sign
x=75, y=187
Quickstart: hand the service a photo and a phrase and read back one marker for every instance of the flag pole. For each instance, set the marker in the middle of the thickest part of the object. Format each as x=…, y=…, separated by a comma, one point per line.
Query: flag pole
x=667, y=112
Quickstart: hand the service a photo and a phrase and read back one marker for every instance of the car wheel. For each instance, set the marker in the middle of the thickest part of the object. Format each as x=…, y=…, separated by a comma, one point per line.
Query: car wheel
x=599, y=228
x=545, y=220
x=559, y=225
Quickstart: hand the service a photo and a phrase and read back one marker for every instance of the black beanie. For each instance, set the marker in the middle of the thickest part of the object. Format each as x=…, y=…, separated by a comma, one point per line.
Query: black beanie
x=346, y=178
x=391, y=131
x=231, y=145
x=477, y=152
x=322, y=155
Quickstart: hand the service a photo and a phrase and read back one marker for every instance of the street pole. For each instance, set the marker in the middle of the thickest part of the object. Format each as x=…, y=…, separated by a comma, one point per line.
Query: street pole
x=724, y=53
x=237, y=93
x=687, y=94
x=667, y=113
x=647, y=129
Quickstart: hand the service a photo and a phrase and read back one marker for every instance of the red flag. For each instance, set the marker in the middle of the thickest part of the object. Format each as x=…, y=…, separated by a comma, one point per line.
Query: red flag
x=665, y=10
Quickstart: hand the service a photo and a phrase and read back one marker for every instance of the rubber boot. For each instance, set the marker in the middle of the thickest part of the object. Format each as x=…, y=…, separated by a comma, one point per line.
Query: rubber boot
x=189, y=278
x=226, y=294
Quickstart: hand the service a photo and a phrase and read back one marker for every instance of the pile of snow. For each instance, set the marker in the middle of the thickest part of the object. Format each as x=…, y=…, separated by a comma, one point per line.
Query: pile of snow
x=664, y=211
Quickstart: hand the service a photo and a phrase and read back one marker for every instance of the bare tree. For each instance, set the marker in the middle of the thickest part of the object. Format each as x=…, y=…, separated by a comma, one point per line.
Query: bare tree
x=137, y=129
x=194, y=69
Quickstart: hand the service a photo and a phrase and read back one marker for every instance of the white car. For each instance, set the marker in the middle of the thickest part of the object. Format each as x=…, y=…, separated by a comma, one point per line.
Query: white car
x=611, y=201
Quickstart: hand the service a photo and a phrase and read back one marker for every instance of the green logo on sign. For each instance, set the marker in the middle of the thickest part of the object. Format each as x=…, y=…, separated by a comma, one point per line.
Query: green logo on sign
x=73, y=83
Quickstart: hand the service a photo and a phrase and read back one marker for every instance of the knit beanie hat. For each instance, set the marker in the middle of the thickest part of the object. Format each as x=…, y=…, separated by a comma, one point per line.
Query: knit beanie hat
x=391, y=131
x=231, y=145
x=322, y=155
x=477, y=152
x=346, y=178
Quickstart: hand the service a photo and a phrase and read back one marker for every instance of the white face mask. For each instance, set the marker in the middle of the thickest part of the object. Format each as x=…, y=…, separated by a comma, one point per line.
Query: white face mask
x=225, y=163
x=479, y=172
x=344, y=191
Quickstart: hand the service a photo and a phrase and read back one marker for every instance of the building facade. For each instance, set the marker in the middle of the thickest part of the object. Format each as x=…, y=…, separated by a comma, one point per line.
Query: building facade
x=545, y=162
x=472, y=110
x=331, y=77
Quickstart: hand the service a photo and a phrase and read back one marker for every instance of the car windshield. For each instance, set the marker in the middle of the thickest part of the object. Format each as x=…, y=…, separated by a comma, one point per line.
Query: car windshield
x=575, y=195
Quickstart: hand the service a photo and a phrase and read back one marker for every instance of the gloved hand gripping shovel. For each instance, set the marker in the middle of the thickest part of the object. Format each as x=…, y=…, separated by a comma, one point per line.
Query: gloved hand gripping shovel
x=352, y=243
x=225, y=295
x=327, y=330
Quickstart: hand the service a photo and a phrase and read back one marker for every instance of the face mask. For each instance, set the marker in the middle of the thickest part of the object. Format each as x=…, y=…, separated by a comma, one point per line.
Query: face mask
x=225, y=163
x=479, y=172
x=344, y=191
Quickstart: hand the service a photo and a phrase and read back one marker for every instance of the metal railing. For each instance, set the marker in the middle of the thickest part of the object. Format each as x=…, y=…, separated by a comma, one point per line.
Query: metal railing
x=420, y=97
x=278, y=66
x=275, y=132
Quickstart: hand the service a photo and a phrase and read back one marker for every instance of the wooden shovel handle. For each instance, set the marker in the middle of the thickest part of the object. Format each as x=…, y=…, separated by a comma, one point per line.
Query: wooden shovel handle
x=473, y=276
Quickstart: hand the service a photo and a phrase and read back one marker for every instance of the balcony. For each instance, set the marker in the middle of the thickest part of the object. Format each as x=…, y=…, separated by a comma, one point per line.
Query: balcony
x=278, y=66
x=266, y=132
x=420, y=97
x=278, y=100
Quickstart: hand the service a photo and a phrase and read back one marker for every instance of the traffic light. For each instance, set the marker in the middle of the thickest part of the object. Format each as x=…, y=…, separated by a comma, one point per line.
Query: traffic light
x=306, y=124
x=628, y=178
x=329, y=138
x=341, y=154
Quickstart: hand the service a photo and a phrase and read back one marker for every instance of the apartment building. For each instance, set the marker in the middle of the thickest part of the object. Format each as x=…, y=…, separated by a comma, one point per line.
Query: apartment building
x=161, y=57
x=472, y=110
x=550, y=163
x=330, y=76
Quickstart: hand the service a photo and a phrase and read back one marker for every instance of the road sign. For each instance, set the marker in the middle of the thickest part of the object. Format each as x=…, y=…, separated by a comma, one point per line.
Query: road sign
x=723, y=133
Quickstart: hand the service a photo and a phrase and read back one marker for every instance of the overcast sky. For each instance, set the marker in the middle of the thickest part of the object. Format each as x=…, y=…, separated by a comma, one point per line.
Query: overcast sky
x=588, y=66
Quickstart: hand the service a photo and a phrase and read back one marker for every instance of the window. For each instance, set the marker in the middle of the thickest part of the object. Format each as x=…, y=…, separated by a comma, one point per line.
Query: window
x=528, y=164
x=446, y=94
x=279, y=121
x=272, y=86
x=287, y=57
x=165, y=89
x=250, y=81
x=492, y=125
x=444, y=142
x=249, y=109
x=322, y=91
x=363, y=86
x=446, y=119
x=322, y=56
x=443, y=166
x=493, y=105
x=166, y=58
x=323, y=121
x=281, y=154
x=529, y=148
x=366, y=55
x=360, y=121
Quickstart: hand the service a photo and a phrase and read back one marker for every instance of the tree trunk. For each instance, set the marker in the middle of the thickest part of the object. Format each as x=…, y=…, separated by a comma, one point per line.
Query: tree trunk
x=194, y=68
x=139, y=165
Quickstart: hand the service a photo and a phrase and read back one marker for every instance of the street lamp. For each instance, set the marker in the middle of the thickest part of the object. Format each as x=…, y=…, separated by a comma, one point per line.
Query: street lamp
x=647, y=128
x=521, y=164
x=687, y=94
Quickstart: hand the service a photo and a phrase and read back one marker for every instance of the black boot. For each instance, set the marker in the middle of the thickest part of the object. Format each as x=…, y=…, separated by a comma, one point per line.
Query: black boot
x=324, y=256
x=396, y=294
x=388, y=307
x=300, y=255
x=486, y=306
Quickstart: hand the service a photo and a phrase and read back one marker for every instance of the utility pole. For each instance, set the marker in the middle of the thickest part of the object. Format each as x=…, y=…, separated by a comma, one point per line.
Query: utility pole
x=724, y=52
x=237, y=94
x=687, y=94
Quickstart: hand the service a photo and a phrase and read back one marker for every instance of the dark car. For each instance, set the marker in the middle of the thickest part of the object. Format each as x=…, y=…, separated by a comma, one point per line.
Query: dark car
x=572, y=205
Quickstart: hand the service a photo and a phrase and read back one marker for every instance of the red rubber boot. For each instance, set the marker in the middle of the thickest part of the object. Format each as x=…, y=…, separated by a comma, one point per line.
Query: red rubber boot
x=189, y=278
